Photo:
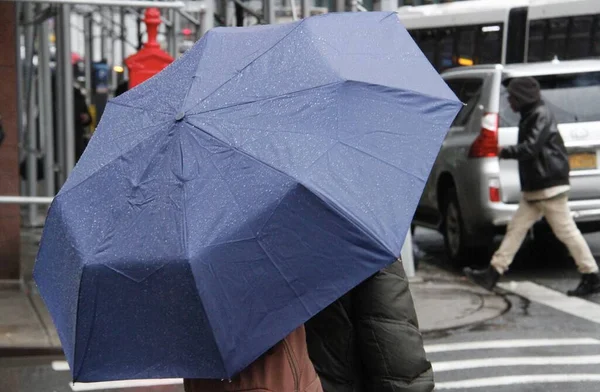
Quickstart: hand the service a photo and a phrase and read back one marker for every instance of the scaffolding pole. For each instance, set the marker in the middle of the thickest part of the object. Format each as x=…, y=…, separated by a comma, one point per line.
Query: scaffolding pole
x=45, y=111
x=102, y=35
x=20, y=92
x=113, y=55
x=64, y=82
x=208, y=17
x=408, y=258
x=389, y=5
x=31, y=135
x=172, y=34
x=339, y=5
x=58, y=102
x=269, y=11
x=305, y=6
x=88, y=28
x=123, y=41
x=25, y=200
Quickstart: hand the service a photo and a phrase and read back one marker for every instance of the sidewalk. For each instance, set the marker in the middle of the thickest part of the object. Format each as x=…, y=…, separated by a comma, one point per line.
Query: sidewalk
x=442, y=301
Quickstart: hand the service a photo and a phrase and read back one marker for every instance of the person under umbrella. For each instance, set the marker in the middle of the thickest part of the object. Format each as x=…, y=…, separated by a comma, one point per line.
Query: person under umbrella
x=239, y=192
x=345, y=339
x=285, y=367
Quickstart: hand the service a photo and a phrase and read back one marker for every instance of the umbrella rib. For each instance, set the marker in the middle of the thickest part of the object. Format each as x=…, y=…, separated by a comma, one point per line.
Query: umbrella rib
x=117, y=157
x=242, y=152
x=216, y=167
x=283, y=276
x=250, y=63
x=136, y=107
x=291, y=93
x=441, y=101
x=383, y=161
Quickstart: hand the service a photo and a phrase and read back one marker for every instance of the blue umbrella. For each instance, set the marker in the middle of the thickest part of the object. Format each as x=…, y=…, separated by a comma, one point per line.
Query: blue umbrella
x=227, y=200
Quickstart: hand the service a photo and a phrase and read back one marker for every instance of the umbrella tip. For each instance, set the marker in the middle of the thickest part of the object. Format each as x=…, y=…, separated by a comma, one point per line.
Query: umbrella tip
x=179, y=116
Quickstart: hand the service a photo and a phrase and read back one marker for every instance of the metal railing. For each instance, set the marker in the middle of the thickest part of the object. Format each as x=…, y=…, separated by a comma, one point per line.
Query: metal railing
x=26, y=200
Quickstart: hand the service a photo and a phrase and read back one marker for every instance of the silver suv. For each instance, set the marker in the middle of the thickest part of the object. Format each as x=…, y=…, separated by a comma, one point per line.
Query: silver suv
x=471, y=195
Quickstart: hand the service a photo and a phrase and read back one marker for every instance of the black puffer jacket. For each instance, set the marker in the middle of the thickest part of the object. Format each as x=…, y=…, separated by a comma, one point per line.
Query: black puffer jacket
x=368, y=341
x=543, y=159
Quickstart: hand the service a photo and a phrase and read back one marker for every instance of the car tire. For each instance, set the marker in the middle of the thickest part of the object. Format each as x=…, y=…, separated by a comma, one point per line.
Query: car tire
x=458, y=251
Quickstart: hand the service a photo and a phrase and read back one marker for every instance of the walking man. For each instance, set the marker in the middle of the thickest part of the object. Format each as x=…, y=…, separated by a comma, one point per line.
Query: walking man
x=544, y=174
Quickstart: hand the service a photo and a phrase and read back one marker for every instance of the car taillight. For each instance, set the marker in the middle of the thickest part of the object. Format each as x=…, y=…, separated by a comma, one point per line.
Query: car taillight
x=494, y=190
x=486, y=144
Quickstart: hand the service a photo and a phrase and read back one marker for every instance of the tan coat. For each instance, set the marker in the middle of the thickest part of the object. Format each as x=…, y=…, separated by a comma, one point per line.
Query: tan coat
x=284, y=368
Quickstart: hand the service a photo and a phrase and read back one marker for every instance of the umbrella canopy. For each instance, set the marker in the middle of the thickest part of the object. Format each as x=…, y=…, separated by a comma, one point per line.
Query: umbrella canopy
x=225, y=201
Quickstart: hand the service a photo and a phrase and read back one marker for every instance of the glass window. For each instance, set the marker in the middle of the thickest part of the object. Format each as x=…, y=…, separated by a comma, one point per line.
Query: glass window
x=557, y=38
x=596, y=41
x=571, y=97
x=468, y=92
x=537, y=33
x=446, y=50
x=508, y=118
x=490, y=45
x=465, y=46
x=580, y=37
x=427, y=44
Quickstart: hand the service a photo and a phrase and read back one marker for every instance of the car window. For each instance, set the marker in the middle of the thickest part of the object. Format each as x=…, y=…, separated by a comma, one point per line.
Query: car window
x=468, y=92
x=571, y=97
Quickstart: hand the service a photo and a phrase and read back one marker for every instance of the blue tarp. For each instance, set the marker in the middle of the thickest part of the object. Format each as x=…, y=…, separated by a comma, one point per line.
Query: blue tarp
x=227, y=200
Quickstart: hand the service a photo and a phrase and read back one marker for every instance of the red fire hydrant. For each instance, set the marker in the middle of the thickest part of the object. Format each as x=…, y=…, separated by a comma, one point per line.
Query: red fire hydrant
x=151, y=59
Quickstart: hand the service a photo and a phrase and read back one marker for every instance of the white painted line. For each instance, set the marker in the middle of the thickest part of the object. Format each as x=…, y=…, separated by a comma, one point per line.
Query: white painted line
x=514, y=380
x=95, y=386
x=60, y=366
x=514, y=361
x=572, y=305
x=513, y=343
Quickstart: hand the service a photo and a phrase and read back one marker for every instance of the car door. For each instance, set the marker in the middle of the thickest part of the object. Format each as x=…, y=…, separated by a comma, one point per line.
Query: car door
x=454, y=151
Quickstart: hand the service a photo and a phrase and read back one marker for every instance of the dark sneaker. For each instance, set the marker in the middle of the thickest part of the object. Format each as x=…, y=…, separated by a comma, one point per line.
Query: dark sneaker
x=486, y=278
x=589, y=284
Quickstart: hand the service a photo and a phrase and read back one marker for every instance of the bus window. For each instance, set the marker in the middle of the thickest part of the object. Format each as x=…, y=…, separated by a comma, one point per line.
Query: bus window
x=427, y=45
x=557, y=38
x=446, y=50
x=489, y=45
x=466, y=45
x=579, y=37
x=537, y=32
x=596, y=40
x=516, y=35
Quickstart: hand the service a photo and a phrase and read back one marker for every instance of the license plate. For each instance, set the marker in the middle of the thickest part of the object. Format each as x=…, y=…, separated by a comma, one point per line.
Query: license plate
x=583, y=161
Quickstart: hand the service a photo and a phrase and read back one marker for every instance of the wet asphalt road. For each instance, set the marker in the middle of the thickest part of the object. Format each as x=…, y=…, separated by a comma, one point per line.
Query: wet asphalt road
x=565, y=349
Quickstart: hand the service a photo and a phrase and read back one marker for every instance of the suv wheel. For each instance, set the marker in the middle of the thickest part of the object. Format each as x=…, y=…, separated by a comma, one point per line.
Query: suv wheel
x=453, y=229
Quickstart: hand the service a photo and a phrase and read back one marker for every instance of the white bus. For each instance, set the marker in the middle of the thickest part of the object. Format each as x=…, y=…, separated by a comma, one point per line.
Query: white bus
x=504, y=31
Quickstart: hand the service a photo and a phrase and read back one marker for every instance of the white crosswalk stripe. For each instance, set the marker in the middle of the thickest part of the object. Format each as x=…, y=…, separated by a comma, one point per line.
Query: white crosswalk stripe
x=476, y=365
x=511, y=343
x=63, y=366
x=515, y=361
x=516, y=380
x=97, y=386
x=543, y=295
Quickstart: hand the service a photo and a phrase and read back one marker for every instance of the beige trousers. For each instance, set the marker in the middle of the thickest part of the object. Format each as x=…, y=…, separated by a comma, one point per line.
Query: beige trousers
x=559, y=217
